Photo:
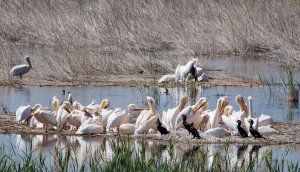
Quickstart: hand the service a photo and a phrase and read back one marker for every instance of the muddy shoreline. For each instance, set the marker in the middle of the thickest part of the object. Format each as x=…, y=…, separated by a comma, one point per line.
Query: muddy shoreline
x=140, y=80
x=288, y=134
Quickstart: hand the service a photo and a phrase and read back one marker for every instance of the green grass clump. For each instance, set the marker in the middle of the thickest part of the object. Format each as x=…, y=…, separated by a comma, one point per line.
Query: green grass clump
x=126, y=157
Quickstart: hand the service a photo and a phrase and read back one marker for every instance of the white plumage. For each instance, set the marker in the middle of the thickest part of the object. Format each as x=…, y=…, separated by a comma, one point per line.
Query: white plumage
x=22, y=69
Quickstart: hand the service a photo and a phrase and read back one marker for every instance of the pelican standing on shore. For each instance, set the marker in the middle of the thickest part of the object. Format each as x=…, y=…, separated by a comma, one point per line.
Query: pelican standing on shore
x=22, y=69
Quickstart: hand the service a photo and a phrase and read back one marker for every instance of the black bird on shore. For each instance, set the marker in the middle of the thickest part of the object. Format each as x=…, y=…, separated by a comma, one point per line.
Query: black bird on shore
x=242, y=132
x=161, y=129
x=190, y=128
x=254, y=132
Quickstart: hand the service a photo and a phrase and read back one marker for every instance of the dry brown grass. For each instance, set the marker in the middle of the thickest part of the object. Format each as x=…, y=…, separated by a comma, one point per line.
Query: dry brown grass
x=82, y=39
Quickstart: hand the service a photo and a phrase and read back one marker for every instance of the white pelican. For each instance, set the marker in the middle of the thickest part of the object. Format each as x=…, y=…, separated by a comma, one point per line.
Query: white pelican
x=23, y=113
x=217, y=132
x=193, y=113
x=114, y=121
x=44, y=117
x=169, y=116
x=250, y=116
x=77, y=105
x=126, y=129
x=62, y=114
x=22, y=69
x=146, y=114
x=95, y=107
x=149, y=123
x=88, y=128
x=215, y=115
x=55, y=104
x=75, y=118
x=134, y=108
x=182, y=71
x=167, y=78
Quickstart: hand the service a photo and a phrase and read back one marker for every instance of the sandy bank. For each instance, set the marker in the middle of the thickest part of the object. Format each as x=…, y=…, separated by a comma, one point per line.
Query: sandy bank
x=288, y=133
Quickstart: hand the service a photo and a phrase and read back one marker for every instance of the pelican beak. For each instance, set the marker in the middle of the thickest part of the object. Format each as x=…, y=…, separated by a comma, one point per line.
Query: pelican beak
x=224, y=103
x=202, y=102
x=203, y=122
x=67, y=108
x=105, y=104
x=183, y=102
x=36, y=111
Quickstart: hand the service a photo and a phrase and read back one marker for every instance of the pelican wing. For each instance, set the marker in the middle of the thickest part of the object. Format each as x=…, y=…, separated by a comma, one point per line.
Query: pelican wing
x=23, y=113
x=127, y=129
x=61, y=117
x=48, y=116
x=264, y=120
x=230, y=123
x=148, y=124
x=167, y=78
x=217, y=132
x=90, y=129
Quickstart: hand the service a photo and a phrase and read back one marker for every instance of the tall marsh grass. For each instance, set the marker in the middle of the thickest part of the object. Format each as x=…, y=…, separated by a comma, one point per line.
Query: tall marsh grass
x=84, y=40
x=126, y=158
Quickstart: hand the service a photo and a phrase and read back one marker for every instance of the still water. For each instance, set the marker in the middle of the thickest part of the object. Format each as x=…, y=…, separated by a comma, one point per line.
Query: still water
x=267, y=100
x=85, y=147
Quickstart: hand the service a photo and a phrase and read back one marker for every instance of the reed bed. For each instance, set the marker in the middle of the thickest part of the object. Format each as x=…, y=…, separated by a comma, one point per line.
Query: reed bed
x=126, y=158
x=84, y=40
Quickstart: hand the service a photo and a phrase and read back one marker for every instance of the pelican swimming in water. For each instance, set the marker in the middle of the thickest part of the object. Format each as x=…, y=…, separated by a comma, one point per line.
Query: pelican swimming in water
x=193, y=113
x=22, y=69
x=169, y=117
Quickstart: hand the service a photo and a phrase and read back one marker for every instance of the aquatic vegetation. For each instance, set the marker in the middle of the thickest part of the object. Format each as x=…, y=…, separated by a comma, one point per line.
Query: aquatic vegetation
x=127, y=158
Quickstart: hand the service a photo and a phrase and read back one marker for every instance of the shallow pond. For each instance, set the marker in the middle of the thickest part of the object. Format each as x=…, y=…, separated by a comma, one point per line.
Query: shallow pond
x=83, y=148
x=266, y=100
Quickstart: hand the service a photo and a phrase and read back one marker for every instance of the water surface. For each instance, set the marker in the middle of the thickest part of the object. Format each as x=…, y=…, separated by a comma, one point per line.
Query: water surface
x=266, y=100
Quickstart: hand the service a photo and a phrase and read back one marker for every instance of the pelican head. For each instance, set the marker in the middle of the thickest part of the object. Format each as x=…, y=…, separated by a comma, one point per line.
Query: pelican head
x=28, y=61
x=151, y=100
x=55, y=103
x=35, y=107
x=223, y=103
x=240, y=101
x=104, y=104
x=200, y=103
x=228, y=110
x=67, y=106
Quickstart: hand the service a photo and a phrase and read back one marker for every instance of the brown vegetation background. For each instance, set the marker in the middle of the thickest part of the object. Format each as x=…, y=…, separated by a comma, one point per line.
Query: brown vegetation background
x=82, y=40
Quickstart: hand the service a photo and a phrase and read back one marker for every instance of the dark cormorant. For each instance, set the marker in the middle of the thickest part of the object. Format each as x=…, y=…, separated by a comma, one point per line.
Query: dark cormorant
x=242, y=132
x=161, y=129
x=190, y=128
